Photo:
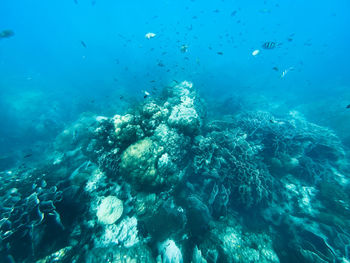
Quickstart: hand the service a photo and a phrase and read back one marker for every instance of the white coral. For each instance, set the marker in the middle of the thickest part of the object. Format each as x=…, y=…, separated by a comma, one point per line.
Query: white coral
x=110, y=210
x=125, y=233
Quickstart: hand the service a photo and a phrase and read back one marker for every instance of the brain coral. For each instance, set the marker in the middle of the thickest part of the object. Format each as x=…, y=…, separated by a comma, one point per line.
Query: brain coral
x=110, y=210
x=138, y=163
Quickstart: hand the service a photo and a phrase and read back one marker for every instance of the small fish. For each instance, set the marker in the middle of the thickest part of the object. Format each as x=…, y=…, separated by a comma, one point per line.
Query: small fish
x=121, y=97
x=160, y=64
x=183, y=48
x=146, y=94
x=255, y=52
x=348, y=107
x=284, y=73
x=233, y=13
x=269, y=45
x=150, y=35
x=7, y=33
x=275, y=68
x=27, y=155
x=220, y=53
x=83, y=44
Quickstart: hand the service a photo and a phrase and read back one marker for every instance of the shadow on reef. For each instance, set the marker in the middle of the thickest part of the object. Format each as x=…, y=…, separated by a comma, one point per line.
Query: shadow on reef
x=165, y=183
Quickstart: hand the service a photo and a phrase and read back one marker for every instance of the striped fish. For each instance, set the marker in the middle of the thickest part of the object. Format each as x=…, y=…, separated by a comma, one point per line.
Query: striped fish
x=269, y=45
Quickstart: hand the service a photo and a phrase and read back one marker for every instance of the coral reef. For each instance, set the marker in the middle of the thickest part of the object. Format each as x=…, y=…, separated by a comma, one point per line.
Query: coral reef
x=163, y=182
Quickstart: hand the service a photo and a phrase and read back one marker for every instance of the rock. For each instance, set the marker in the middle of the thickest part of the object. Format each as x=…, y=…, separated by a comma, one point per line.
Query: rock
x=110, y=210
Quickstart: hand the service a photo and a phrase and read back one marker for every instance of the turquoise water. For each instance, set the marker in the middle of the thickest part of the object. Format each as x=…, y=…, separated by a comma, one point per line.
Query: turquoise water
x=255, y=152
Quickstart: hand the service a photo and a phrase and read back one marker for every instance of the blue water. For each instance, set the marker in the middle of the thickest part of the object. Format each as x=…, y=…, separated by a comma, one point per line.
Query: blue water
x=68, y=58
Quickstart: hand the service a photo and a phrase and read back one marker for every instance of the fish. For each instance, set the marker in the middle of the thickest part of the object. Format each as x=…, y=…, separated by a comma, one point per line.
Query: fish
x=220, y=53
x=255, y=52
x=269, y=45
x=27, y=155
x=348, y=107
x=83, y=44
x=183, y=48
x=275, y=68
x=234, y=13
x=150, y=35
x=146, y=94
x=284, y=73
x=7, y=33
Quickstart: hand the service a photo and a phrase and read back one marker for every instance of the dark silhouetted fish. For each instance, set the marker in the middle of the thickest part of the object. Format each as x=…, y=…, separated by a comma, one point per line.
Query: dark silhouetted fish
x=275, y=68
x=348, y=107
x=233, y=13
x=220, y=53
x=83, y=44
x=27, y=155
x=269, y=45
x=7, y=33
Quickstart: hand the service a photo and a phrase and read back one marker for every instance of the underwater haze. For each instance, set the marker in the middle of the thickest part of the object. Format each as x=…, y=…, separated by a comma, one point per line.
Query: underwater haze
x=174, y=131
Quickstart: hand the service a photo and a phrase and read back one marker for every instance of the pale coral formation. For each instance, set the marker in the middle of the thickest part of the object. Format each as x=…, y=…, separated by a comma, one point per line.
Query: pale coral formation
x=138, y=163
x=127, y=128
x=184, y=116
x=109, y=210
